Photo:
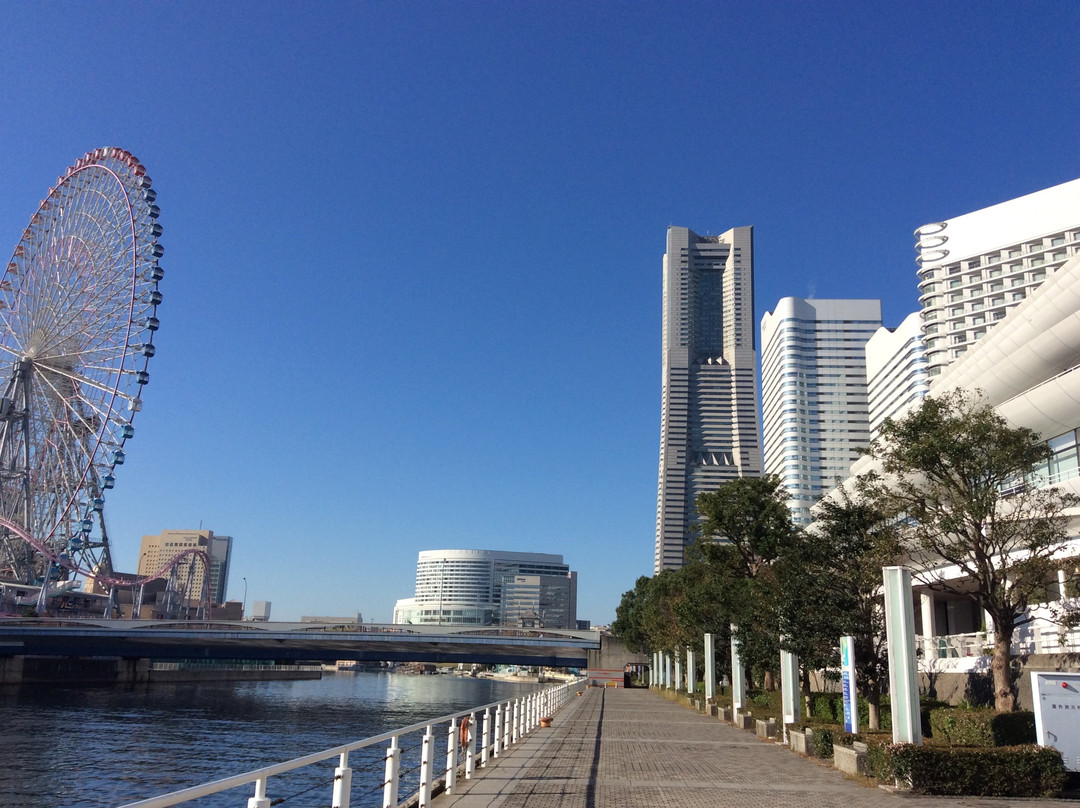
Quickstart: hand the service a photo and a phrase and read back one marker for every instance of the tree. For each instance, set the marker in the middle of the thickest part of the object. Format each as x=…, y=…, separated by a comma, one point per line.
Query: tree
x=672, y=610
x=745, y=526
x=629, y=624
x=962, y=484
x=848, y=544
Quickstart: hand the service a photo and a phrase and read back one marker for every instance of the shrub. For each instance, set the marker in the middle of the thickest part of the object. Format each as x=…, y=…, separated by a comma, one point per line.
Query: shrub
x=982, y=727
x=821, y=743
x=763, y=698
x=878, y=761
x=828, y=707
x=1004, y=771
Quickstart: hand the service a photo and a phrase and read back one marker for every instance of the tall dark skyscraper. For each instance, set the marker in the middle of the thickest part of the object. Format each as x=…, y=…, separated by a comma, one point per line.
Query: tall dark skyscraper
x=709, y=426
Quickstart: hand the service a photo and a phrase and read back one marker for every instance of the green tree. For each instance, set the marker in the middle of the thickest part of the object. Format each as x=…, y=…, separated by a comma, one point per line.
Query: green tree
x=745, y=524
x=848, y=544
x=629, y=624
x=962, y=483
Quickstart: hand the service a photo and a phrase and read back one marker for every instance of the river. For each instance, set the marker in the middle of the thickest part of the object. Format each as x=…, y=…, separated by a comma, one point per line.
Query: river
x=82, y=747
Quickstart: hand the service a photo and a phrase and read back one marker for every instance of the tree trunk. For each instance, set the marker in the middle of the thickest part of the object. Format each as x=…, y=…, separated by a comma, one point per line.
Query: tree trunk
x=873, y=709
x=1004, y=700
x=768, y=682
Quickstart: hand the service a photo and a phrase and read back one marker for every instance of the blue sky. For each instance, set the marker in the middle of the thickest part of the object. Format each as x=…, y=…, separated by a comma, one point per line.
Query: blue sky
x=413, y=249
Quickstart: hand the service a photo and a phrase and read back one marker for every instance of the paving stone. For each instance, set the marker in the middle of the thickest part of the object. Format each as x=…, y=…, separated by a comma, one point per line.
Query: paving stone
x=618, y=748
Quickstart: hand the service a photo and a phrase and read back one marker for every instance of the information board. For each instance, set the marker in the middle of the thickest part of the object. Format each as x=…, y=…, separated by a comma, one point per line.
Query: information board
x=847, y=684
x=1056, y=697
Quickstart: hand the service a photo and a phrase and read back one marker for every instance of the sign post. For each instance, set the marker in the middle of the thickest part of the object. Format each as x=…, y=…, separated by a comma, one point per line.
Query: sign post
x=903, y=674
x=738, y=678
x=710, y=669
x=847, y=684
x=789, y=688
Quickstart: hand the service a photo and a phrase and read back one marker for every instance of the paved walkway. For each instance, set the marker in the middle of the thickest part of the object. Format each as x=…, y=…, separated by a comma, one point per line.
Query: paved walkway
x=615, y=748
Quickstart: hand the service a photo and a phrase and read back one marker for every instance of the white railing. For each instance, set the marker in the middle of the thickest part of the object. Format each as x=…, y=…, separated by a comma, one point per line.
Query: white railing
x=1039, y=639
x=473, y=737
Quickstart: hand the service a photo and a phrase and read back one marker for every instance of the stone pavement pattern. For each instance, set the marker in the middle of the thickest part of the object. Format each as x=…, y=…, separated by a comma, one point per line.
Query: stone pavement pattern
x=615, y=748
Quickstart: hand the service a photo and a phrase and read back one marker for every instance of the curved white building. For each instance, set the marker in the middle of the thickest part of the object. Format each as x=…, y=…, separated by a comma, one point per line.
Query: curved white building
x=896, y=375
x=973, y=269
x=491, y=587
x=1028, y=368
x=813, y=393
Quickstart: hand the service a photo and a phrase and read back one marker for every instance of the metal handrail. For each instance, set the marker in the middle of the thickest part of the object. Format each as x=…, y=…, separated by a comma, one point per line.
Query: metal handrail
x=512, y=719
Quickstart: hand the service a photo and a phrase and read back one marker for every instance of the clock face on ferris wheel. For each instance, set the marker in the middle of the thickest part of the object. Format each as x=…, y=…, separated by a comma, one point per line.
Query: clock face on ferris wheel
x=78, y=313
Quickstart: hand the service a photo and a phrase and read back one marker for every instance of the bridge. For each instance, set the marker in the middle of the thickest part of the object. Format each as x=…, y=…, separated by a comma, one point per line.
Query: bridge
x=204, y=640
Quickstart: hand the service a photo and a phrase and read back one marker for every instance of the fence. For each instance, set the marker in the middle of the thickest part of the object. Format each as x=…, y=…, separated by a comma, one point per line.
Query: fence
x=408, y=765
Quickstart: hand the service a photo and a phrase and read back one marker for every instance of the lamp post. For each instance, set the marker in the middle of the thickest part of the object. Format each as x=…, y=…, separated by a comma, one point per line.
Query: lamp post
x=243, y=605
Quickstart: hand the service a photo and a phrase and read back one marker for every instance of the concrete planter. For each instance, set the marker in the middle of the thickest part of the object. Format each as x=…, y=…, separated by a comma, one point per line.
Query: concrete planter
x=799, y=742
x=765, y=729
x=849, y=759
x=744, y=721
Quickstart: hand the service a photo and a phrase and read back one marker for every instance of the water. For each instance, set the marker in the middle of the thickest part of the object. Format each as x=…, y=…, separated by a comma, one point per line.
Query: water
x=69, y=747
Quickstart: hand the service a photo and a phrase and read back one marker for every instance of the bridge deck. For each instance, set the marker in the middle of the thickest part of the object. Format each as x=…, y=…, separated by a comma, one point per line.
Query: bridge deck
x=628, y=748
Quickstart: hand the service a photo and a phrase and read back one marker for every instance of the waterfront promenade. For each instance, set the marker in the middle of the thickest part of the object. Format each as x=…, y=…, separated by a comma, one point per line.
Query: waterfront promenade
x=615, y=748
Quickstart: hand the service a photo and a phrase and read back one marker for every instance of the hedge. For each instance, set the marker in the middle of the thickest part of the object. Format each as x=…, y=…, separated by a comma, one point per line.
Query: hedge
x=829, y=707
x=822, y=741
x=983, y=727
x=1003, y=771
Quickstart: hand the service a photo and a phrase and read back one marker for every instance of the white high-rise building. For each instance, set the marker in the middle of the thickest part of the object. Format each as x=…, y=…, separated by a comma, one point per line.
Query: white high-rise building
x=491, y=587
x=709, y=426
x=896, y=375
x=815, y=415
x=974, y=268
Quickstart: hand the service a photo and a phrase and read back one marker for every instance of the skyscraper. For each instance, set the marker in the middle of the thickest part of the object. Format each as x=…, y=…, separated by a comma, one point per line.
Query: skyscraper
x=156, y=551
x=974, y=268
x=491, y=587
x=814, y=394
x=709, y=426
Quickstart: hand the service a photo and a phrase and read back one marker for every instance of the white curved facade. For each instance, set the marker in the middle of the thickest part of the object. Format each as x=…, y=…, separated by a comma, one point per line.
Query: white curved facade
x=491, y=587
x=1028, y=368
x=896, y=374
x=973, y=269
x=814, y=393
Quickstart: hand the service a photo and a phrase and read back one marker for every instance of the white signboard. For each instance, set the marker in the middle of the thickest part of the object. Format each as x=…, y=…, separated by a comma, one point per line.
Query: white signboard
x=1057, y=714
x=847, y=684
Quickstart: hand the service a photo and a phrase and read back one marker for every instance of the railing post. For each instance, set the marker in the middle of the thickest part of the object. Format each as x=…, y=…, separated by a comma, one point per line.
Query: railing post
x=470, y=748
x=516, y=729
x=393, y=771
x=498, y=730
x=427, y=767
x=506, y=726
x=259, y=800
x=485, y=738
x=451, y=756
x=342, y=783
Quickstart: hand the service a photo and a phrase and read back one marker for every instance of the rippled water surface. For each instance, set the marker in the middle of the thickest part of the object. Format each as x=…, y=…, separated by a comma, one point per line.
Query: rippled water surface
x=97, y=747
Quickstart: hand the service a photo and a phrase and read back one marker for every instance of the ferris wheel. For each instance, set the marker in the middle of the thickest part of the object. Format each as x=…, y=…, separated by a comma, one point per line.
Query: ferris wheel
x=78, y=313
